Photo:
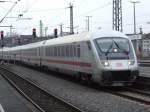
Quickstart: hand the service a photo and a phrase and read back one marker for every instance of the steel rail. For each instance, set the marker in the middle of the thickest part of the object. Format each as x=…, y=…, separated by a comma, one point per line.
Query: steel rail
x=41, y=98
x=139, y=91
x=129, y=97
x=144, y=62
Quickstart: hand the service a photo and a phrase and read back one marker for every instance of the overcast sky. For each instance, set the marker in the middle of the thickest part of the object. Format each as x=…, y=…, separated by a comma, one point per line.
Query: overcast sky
x=54, y=12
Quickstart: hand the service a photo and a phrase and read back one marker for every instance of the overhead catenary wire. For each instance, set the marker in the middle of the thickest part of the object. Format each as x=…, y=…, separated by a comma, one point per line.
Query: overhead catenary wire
x=45, y=10
x=27, y=10
x=90, y=11
x=56, y=9
x=8, y=11
x=95, y=9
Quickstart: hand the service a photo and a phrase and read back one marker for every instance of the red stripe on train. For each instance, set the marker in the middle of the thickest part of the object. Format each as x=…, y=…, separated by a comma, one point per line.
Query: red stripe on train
x=83, y=64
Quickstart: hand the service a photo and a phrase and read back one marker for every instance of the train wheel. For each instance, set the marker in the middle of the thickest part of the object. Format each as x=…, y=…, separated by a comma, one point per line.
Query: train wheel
x=77, y=76
x=85, y=77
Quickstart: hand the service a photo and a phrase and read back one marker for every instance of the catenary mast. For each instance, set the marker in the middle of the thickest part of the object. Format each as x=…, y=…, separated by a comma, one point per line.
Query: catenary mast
x=117, y=15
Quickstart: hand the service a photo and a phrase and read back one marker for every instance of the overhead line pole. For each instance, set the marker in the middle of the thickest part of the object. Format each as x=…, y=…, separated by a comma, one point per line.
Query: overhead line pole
x=71, y=19
x=41, y=28
x=88, y=22
x=117, y=15
x=61, y=30
x=134, y=2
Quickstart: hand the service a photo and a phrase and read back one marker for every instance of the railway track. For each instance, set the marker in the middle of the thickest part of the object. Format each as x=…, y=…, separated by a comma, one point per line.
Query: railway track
x=132, y=94
x=41, y=98
x=139, y=92
x=144, y=63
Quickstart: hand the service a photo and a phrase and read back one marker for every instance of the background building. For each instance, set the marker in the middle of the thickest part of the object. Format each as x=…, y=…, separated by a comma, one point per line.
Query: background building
x=146, y=45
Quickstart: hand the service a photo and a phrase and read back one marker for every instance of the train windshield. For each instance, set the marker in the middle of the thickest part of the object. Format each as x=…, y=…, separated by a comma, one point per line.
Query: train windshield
x=114, y=48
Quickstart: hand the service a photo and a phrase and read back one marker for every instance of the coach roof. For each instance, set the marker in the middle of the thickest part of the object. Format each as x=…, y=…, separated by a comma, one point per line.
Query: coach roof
x=83, y=37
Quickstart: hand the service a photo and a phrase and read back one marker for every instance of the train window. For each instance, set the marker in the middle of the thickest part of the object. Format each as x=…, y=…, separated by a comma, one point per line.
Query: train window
x=52, y=51
x=55, y=51
x=89, y=45
x=33, y=52
x=63, y=50
x=114, y=48
x=71, y=50
x=107, y=44
x=74, y=51
x=67, y=51
x=78, y=50
x=59, y=50
x=47, y=51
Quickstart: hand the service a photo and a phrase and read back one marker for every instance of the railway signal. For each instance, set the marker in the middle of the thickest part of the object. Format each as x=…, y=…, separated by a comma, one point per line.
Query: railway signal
x=2, y=35
x=55, y=33
x=34, y=32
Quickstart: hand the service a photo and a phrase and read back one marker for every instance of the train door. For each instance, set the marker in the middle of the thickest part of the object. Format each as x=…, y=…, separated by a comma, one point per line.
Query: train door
x=40, y=49
x=77, y=59
x=85, y=56
x=73, y=58
x=72, y=55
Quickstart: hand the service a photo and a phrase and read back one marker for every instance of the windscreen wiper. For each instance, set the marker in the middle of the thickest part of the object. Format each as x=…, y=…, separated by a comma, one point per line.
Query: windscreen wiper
x=106, y=53
x=125, y=51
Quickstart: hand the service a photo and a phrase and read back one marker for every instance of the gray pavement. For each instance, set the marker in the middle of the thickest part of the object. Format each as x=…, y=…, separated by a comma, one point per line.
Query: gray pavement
x=11, y=100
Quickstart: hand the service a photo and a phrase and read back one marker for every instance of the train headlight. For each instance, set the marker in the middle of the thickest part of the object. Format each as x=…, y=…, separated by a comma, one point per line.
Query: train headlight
x=105, y=63
x=131, y=62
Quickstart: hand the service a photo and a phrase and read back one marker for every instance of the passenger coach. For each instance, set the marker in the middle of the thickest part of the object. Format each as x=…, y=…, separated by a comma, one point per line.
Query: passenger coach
x=105, y=57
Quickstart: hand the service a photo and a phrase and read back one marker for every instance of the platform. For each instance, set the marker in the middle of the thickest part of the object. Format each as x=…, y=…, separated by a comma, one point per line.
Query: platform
x=11, y=100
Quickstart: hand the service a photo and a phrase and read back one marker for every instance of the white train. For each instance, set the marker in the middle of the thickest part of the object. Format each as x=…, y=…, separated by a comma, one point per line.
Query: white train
x=105, y=57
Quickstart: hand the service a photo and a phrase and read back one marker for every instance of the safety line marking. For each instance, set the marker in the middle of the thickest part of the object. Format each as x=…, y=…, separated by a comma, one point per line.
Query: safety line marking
x=1, y=108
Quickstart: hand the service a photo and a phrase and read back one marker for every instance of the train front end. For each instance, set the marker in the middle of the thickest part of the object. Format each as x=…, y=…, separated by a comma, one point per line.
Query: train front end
x=117, y=61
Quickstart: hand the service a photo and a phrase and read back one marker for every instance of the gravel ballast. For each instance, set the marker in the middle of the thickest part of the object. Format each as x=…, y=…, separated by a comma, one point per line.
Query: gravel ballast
x=89, y=100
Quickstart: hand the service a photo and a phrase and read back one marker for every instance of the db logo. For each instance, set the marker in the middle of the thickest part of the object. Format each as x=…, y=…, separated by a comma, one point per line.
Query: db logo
x=119, y=65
